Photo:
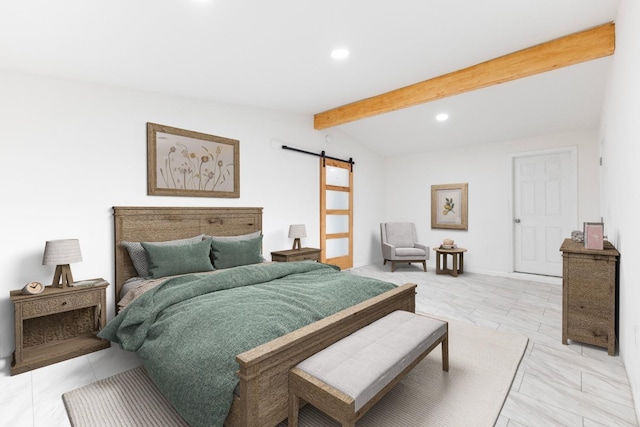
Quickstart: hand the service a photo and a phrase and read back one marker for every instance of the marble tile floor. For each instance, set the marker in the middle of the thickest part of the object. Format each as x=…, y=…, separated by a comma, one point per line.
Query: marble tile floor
x=556, y=385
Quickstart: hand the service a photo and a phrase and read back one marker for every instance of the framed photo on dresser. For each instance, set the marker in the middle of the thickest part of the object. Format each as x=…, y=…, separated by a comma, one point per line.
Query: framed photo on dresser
x=593, y=235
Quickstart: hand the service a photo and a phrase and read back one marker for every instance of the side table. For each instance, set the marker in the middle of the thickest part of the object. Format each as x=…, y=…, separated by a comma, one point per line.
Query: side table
x=458, y=261
x=296, y=255
x=58, y=324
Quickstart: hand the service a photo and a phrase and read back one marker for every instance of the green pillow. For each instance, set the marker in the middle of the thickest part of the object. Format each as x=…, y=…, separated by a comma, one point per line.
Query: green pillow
x=139, y=257
x=229, y=253
x=171, y=260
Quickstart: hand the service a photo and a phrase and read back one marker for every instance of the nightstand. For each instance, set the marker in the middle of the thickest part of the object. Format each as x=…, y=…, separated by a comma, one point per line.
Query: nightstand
x=296, y=255
x=58, y=324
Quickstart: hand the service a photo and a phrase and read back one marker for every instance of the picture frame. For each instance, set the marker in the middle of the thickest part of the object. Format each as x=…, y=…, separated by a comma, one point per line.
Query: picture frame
x=593, y=233
x=449, y=206
x=186, y=163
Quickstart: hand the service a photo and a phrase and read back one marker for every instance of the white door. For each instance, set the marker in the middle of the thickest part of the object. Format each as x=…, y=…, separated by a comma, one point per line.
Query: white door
x=545, y=209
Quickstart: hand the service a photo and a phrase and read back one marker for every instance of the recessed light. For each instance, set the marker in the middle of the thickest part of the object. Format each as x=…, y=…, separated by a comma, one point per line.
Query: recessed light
x=442, y=117
x=340, y=53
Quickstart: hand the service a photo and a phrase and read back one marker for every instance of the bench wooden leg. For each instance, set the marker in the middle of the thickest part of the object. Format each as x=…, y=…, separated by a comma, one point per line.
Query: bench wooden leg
x=445, y=352
x=294, y=407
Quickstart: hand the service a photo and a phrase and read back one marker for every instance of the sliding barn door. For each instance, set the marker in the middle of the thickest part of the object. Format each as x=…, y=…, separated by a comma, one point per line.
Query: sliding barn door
x=336, y=212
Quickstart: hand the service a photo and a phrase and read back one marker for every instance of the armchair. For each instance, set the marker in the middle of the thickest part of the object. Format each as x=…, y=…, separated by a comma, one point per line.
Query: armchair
x=400, y=244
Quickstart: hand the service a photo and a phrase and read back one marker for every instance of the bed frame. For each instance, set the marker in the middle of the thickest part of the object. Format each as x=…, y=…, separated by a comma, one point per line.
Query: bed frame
x=264, y=370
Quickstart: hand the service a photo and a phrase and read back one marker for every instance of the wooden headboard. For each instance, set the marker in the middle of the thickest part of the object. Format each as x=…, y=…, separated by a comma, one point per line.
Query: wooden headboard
x=156, y=224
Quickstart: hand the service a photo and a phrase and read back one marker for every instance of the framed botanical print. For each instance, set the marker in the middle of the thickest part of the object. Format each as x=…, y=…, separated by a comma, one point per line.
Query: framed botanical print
x=449, y=206
x=187, y=163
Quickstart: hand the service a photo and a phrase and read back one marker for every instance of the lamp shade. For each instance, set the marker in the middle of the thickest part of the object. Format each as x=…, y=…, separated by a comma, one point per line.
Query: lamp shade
x=297, y=231
x=61, y=252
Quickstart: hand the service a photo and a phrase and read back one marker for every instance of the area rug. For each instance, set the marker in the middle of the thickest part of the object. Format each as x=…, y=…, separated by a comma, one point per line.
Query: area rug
x=482, y=366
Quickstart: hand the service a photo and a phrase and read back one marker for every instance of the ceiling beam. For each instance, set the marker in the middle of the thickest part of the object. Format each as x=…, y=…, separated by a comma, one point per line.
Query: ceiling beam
x=573, y=49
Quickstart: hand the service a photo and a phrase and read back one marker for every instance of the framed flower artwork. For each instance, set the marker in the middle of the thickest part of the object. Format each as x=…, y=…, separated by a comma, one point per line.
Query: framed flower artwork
x=186, y=163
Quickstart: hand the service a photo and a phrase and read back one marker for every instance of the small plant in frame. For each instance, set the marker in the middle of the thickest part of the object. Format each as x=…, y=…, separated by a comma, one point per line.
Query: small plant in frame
x=187, y=163
x=448, y=206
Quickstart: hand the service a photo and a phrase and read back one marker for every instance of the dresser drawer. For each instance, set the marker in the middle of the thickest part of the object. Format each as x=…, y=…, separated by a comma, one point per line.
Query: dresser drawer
x=589, y=327
x=59, y=304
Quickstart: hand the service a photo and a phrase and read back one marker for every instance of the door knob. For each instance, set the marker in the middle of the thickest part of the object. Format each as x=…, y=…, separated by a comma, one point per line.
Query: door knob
x=517, y=220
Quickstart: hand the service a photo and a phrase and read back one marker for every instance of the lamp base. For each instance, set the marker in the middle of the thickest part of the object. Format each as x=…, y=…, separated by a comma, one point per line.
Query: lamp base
x=296, y=244
x=62, y=277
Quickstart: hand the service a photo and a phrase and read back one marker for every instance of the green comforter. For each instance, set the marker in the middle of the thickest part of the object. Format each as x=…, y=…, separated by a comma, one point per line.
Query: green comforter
x=187, y=331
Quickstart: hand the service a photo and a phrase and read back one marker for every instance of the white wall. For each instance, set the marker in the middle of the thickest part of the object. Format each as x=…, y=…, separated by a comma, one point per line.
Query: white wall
x=487, y=170
x=621, y=179
x=70, y=151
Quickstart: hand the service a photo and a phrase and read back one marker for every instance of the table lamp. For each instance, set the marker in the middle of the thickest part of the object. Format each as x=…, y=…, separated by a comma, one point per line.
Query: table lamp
x=61, y=253
x=297, y=231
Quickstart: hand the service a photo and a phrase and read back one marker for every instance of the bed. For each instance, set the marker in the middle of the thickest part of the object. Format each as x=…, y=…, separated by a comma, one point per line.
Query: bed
x=261, y=397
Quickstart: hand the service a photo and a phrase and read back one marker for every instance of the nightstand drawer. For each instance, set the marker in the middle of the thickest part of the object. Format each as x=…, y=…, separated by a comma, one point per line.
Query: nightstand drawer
x=312, y=257
x=59, y=304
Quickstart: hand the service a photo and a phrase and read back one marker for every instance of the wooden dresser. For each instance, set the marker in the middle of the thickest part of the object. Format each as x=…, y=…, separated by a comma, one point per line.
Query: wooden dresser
x=589, y=289
x=58, y=324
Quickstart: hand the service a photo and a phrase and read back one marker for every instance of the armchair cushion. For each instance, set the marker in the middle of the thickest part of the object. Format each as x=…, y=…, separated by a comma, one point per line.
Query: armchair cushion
x=410, y=252
x=400, y=234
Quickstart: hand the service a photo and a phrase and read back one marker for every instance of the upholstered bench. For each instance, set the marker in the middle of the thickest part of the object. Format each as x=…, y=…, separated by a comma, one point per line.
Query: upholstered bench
x=347, y=378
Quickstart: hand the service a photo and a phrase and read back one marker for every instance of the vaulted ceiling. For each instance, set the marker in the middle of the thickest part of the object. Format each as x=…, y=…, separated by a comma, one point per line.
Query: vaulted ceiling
x=276, y=55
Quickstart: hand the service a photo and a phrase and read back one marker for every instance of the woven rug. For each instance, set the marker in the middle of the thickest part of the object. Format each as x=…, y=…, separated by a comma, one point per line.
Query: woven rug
x=482, y=365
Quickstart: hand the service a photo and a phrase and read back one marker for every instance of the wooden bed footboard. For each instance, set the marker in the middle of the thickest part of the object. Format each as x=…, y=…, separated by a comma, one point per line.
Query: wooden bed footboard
x=264, y=370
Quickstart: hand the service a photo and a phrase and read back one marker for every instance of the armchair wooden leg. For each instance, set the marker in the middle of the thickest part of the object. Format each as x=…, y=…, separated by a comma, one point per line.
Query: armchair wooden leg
x=393, y=266
x=424, y=264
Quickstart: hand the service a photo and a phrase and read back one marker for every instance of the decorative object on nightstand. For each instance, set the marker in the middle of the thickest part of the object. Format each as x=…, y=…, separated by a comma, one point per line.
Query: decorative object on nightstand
x=33, y=288
x=58, y=324
x=296, y=232
x=291, y=255
x=61, y=253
